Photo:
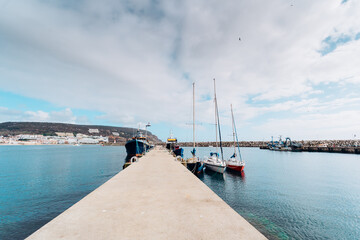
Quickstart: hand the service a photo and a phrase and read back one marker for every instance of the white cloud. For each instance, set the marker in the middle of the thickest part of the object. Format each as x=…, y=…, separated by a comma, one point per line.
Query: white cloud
x=64, y=116
x=8, y=112
x=36, y=116
x=339, y=125
x=135, y=61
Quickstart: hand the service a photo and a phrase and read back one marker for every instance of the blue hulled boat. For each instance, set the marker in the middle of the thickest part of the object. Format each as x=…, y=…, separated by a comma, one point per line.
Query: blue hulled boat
x=171, y=145
x=178, y=151
x=137, y=146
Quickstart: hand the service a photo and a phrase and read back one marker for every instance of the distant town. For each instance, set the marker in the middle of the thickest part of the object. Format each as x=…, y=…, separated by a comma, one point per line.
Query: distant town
x=62, y=138
x=42, y=133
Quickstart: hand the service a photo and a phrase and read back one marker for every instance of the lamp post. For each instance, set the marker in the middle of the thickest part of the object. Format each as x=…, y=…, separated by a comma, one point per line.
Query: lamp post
x=147, y=125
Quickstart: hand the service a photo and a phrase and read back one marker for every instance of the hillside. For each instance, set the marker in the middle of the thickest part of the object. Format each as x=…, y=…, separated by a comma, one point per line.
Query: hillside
x=50, y=129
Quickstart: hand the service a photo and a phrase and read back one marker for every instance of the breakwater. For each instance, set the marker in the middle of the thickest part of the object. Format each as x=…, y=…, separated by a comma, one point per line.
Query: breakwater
x=334, y=149
x=331, y=146
x=304, y=143
x=225, y=144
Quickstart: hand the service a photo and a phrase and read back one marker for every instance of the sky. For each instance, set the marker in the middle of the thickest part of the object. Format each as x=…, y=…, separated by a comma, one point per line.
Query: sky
x=288, y=67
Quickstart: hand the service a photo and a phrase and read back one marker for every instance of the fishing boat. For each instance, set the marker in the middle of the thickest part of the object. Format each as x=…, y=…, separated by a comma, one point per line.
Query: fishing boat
x=171, y=145
x=280, y=145
x=138, y=145
x=171, y=142
x=214, y=163
x=194, y=164
x=234, y=163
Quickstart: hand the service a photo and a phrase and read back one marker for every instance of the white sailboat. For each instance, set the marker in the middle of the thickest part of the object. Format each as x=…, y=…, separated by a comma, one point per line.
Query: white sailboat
x=214, y=162
x=234, y=163
x=194, y=164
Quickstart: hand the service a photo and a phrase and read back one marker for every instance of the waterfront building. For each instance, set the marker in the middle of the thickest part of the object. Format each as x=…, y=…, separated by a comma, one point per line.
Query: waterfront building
x=88, y=141
x=64, y=134
x=93, y=130
x=80, y=135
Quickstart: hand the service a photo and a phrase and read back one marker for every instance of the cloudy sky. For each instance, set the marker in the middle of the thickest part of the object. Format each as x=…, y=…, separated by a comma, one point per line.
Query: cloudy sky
x=289, y=67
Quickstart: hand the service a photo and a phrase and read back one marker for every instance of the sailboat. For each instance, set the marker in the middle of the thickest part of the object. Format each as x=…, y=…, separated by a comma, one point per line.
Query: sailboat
x=214, y=162
x=194, y=164
x=234, y=163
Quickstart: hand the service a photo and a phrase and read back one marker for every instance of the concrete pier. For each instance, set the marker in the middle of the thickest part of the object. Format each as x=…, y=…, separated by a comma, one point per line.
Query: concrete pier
x=155, y=198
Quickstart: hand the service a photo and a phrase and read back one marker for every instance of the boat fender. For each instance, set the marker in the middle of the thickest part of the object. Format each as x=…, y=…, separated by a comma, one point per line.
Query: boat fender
x=133, y=159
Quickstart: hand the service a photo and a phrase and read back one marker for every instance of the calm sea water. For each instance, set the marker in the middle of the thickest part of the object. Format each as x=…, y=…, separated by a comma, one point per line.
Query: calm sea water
x=37, y=183
x=293, y=195
x=285, y=195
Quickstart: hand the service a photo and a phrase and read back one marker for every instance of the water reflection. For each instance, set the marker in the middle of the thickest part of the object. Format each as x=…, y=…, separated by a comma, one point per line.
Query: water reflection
x=215, y=175
x=236, y=174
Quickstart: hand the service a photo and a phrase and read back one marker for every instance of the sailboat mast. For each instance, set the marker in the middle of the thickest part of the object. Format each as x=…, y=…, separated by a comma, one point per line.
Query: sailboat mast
x=233, y=128
x=193, y=115
x=237, y=140
x=216, y=120
x=218, y=123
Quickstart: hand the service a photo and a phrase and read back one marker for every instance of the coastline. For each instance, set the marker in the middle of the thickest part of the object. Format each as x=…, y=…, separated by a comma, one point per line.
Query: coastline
x=40, y=144
x=307, y=144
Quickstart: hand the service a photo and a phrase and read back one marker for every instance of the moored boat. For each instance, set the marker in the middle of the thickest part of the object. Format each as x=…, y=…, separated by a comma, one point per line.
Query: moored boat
x=171, y=145
x=194, y=164
x=286, y=145
x=214, y=163
x=233, y=163
x=137, y=146
x=191, y=164
x=171, y=142
x=178, y=151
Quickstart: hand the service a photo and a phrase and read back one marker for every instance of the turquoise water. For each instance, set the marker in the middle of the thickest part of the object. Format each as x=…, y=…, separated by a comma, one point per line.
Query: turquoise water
x=37, y=183
x=293, y=195
x=285, y=195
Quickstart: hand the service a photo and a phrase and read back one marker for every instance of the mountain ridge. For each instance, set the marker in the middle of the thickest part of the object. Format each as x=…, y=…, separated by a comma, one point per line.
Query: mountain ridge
x=50, y=129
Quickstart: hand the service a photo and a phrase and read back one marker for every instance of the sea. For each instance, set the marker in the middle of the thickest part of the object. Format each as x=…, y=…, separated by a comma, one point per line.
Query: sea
x=285, y=195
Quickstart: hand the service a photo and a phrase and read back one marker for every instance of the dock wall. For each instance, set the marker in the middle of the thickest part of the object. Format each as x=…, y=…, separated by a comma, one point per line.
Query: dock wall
x=353, y=150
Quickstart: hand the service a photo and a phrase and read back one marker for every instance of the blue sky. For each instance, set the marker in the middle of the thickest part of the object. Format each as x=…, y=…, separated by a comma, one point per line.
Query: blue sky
x=294, y=73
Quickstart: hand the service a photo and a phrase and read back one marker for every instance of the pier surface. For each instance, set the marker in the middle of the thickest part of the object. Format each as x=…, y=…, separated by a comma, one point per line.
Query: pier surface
x=155, y=198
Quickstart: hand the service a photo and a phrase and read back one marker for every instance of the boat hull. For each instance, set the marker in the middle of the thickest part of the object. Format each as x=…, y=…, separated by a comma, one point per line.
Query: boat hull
x=179, y=152
x=196, y=168
x=170, y=145
x=215, y=168
x=191, y=167
x=136, y=147
x=199, y=167
x=235, y=167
